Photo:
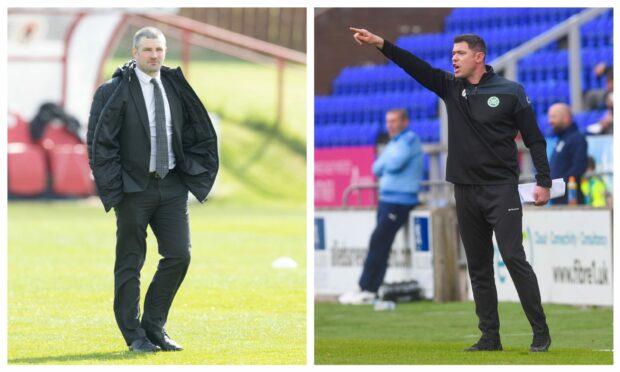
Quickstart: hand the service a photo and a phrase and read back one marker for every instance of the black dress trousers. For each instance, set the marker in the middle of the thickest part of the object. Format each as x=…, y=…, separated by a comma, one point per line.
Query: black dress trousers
x=482, y=210
x=163, y=206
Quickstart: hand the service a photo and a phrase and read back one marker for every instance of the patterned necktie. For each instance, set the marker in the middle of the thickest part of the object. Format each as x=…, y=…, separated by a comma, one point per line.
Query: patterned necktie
x=161, y=137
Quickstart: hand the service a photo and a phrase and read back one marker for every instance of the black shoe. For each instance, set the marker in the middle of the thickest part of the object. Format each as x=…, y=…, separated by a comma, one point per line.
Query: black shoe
x=162, y=340
x=540, y=344
x=143, y=345
x=486, y=345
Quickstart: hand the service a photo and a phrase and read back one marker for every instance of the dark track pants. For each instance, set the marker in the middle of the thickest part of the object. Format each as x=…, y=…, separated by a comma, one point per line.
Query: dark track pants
x=390, y=218
x=482, y=210
x=163, y=206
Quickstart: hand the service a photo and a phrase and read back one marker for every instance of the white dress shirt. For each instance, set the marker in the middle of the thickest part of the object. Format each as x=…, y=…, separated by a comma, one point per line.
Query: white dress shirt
x=149, y=100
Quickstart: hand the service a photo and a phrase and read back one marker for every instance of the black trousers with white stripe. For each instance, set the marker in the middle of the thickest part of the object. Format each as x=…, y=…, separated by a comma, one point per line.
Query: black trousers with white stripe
x=482, y=210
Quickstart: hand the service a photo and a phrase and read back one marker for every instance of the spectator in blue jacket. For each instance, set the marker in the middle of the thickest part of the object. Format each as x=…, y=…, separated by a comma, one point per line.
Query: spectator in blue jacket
x=399, y=168
x=570, y=155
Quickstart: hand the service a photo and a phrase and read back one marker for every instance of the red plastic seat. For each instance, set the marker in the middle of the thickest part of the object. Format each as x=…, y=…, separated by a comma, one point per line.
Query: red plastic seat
x=70, y=170
x=56, y=134
x=27, y=170
x=18, y=129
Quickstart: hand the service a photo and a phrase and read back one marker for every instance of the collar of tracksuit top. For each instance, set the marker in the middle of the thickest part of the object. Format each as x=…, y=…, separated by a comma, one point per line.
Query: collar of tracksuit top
x=572, y=128
x=399, y=135
x=483, y=121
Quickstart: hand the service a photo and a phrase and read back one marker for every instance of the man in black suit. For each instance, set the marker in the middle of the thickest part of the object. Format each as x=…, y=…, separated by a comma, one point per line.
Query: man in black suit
x=150, y=141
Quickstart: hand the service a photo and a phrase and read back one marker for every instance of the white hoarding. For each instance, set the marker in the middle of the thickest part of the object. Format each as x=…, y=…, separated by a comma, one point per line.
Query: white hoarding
x=341, y=244
x=421, y=239
x=570, y=251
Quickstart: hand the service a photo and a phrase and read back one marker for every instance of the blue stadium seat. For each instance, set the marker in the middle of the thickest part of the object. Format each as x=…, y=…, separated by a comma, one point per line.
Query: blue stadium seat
x=598, y=32
x=584, y=119
x=355, y=113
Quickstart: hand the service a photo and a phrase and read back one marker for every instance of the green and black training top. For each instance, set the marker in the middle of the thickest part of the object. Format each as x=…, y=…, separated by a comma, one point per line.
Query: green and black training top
x=483, y=121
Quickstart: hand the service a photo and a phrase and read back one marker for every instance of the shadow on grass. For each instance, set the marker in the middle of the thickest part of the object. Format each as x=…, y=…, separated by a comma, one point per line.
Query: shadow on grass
x=57, y=359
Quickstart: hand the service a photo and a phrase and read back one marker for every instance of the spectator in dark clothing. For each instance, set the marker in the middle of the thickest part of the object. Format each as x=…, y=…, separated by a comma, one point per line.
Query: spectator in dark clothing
x=602, y=98
x=597, y=98
x=570, y=155
x=606, y=124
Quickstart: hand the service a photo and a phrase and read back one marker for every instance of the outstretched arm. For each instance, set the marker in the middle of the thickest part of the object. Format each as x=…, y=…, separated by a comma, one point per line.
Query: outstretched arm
x=363, y=36
x=431, y=78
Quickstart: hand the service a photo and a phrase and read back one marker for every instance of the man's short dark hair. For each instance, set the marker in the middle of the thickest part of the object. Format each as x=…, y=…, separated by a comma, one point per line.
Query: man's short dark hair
x=474, y=42
x=403, y=113
x=148, y=33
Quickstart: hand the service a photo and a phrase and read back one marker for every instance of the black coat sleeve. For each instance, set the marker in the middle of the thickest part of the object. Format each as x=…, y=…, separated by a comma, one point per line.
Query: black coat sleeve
x=433, y=79
x=199, y=142
x=93, y=118
x=532, y=138
x=107, y=115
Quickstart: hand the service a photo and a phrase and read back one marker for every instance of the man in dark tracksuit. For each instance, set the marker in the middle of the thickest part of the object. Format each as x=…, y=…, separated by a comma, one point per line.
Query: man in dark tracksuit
x=570, y=154
x=485, y=113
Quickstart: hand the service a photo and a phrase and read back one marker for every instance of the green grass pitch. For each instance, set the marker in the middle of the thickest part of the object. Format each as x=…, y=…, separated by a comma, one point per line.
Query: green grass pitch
x=233, y=307
x=430, y=333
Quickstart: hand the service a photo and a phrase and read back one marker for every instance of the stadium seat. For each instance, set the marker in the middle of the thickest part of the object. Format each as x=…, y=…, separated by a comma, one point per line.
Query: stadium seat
x=362, y=94
x=56, y=134
x=70, y=170
x=18, y=129
x=27, y=171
